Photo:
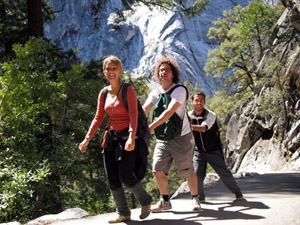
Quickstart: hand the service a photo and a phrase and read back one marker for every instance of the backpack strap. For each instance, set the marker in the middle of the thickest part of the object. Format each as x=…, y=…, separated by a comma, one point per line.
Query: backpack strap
x=187, y=97
x=124, y=94
x=105, y=93
x=179, y=85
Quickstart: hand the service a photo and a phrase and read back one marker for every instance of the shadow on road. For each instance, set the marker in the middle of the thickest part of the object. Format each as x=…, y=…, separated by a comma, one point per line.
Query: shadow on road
x=164, y=222
x=234, y=213
x=194, y=218
x=245, y=204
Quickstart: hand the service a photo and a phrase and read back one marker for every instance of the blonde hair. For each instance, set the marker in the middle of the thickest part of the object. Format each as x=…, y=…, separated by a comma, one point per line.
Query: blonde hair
x=115, y=60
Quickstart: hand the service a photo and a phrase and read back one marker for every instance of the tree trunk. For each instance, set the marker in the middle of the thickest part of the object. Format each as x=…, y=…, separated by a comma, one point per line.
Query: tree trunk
x=3, y=17
x=35, y=18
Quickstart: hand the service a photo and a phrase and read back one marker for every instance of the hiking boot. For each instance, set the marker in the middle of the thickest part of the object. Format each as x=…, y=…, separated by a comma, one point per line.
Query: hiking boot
x=161, y=205
x=145, y=211
x=239, y=196
x=201, y=199
x=120, y=219
x=196, y=204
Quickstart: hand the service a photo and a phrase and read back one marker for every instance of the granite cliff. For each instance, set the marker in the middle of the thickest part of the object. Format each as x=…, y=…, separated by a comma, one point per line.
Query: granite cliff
x=142, y=38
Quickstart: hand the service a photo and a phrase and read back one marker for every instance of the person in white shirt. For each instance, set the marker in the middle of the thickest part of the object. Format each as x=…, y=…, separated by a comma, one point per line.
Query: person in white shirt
x=181, y=148
x=208, y=147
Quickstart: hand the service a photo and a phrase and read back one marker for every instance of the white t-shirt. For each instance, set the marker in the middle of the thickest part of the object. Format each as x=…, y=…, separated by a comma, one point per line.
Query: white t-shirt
x=179, y=95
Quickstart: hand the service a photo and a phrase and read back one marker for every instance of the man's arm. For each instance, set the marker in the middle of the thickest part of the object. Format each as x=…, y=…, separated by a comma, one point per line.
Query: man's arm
x=172, y=107
x=206, y=124
x=200, y=128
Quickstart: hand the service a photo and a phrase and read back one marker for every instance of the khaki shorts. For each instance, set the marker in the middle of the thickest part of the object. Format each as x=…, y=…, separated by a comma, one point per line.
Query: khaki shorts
x=180, y=150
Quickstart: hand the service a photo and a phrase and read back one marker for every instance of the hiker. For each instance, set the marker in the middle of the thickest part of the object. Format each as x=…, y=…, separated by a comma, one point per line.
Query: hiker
x=121, y=153
x=208, y=147
x=180, y=148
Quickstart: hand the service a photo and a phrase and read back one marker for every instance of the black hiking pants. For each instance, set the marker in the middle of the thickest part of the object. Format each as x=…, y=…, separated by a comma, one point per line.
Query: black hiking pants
x=216, y=160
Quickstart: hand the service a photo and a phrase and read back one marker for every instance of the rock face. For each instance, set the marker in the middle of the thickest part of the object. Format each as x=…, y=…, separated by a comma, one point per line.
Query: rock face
x=143, y=37
x=294, y=13
x=258, y=142
x=183, y=191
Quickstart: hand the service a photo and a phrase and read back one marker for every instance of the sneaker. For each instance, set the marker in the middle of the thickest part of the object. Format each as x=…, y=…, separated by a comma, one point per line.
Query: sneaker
x=120, y=219
x=145, y=211
x=196, y=204
x=161, y=205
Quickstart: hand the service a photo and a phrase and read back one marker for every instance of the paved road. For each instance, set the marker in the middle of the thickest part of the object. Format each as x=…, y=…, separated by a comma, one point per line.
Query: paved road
x=272, y=199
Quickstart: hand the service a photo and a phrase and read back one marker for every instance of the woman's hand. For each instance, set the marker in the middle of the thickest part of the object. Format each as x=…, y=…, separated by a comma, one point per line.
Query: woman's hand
x=83, y=145
x=130, y=143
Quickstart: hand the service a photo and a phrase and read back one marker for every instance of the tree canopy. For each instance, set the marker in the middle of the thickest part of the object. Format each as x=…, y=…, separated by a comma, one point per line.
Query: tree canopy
x=47, y=101
x=243, y=35
x=20, y=20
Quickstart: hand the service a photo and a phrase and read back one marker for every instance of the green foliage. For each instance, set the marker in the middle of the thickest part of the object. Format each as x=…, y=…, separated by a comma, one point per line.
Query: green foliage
x=191, y=89
x=47, y=102
x=141, y=89
x=223, y=104
x=14, y=23
x=41, y=122
x=26, y=98
x=271, y=103
x=17, y=188
x=243, y=33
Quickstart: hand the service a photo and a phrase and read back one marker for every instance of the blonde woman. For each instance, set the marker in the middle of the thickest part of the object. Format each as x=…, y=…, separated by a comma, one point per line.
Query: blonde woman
x=122, y=151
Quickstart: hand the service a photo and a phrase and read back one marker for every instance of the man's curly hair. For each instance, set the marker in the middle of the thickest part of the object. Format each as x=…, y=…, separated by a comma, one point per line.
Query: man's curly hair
x=174, y=66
